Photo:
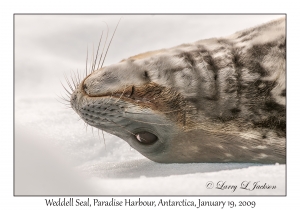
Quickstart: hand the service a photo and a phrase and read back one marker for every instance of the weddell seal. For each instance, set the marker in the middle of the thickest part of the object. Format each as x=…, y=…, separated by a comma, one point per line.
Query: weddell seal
x=214, y=100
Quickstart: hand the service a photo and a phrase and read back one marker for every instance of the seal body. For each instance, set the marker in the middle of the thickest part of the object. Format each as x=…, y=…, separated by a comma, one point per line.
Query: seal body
x=214, y=100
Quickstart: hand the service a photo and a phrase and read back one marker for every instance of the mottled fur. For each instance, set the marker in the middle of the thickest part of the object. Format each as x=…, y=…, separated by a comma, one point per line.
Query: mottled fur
x=233, y=88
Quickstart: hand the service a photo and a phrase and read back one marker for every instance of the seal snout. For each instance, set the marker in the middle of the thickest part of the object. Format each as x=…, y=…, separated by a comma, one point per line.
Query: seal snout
x=100, y=83
x=114, y=78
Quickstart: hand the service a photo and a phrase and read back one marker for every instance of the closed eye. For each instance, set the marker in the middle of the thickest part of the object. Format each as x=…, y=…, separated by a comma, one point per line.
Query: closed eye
x=146, y=76
x=132, y=91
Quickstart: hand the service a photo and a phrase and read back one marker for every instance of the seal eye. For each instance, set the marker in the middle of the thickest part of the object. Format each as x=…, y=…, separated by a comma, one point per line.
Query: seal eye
x=145, y=137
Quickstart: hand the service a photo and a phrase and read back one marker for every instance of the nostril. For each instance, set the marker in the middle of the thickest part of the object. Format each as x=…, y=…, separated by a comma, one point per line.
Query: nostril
x=84, y=86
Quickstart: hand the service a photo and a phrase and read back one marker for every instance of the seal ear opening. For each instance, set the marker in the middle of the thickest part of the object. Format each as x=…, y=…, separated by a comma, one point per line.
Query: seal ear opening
x=146, y=137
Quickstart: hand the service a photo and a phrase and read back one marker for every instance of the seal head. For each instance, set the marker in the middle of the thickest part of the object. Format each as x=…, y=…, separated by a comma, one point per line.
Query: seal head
x=215, y=100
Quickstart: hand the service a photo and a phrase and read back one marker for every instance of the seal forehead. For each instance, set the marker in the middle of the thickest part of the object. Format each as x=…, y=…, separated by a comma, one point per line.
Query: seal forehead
x=145, y=55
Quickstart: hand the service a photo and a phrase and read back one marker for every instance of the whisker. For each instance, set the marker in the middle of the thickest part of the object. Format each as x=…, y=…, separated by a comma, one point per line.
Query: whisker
x=61, y=101
x=103, y=139
x=73, y=75
x=65, y=88
x=121, y=94
x=82, y=76
x=110, y=42
x=74, y=83
x=92, y=60
x=75, y=79
x=86, y=62
x=86, y=125
x=63, y=98
x=66, y=100
x=104, y=45
x=78, y=76
x=68, y=82
x=97, y=52
x=66, y=107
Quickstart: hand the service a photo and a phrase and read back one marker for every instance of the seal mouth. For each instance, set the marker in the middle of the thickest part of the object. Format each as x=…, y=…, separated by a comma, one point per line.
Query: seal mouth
x=130, y=104
x=138, y=95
